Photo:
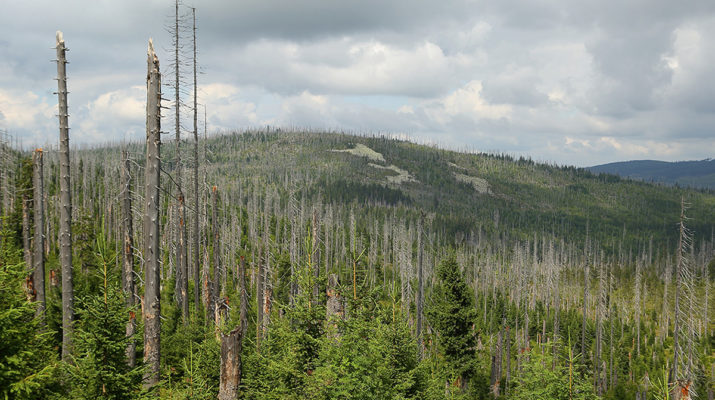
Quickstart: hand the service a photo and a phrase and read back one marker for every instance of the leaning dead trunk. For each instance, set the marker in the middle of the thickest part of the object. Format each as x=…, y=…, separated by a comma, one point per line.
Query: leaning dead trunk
x=38, y=259
x=65, y=204
x=152, y=305
x=231, y=345
x=128, y=262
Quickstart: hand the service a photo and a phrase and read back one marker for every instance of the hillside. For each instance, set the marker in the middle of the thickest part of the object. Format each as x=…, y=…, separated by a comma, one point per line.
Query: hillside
x=467, y=192
x=696, y=174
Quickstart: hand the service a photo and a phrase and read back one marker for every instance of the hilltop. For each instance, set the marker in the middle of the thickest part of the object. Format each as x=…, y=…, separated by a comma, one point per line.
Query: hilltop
x=696, y=174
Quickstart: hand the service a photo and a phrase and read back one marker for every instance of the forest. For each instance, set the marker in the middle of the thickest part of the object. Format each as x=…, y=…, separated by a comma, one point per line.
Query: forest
x=297, y=264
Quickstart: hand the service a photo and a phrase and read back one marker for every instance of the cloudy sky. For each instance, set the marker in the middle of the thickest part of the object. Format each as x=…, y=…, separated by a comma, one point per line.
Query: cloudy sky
x=577, y=82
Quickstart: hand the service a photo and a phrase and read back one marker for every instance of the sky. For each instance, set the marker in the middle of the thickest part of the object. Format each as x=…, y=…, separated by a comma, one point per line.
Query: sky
x=571, y=82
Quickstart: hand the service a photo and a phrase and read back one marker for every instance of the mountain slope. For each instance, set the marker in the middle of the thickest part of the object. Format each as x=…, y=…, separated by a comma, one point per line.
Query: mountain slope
x=699, y=174
x=467, y=194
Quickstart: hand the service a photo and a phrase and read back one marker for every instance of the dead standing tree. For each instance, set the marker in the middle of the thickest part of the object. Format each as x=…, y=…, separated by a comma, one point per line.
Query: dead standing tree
x=65, y=203
x=152, y=305
x=39, y=256
x=128, y=255
x=232, y=344
x=195, y=236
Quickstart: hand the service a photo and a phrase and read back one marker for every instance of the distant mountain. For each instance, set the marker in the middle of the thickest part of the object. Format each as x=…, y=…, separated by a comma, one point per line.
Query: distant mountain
x=697, y=174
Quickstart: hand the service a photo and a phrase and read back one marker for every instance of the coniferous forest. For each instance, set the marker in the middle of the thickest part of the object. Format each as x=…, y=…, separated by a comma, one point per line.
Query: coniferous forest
x=291, y=264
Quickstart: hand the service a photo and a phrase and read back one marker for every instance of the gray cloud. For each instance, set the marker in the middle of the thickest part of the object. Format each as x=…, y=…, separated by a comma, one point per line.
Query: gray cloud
x=566, y=81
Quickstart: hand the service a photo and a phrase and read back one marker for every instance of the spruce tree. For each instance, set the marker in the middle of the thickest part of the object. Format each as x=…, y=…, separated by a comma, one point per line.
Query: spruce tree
x=453, y=314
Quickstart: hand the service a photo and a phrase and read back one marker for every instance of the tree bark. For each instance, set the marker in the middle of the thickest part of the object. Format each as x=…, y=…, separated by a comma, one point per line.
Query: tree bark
x=152, y=304
x=65, y=204
x=230, y=381
x=39, y=257
x=128, y=257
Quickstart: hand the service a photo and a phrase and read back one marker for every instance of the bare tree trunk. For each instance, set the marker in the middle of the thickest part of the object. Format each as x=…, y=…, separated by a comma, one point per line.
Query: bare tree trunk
x=182, y=271
x=334, y=305
x=27, y=248
x=195, y=238
x=152, y=304
x=231, y=345
x=637, y=305
x=496, y=366
x=678, y=266
x=420, y=288
x=39, y=256
x=65, y=204
x=507, y=348
x=128, y=264
x=259, y=301
x=218, y=270
x=243, y=320
x=315, y=257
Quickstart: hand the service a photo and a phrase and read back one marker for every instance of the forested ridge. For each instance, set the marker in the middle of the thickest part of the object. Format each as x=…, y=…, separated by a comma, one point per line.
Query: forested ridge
x=340, y=266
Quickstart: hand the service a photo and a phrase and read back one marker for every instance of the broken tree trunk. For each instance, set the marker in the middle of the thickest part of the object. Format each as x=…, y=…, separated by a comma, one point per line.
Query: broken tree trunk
x=231, y=345
x=65, y=203
x=152, y=304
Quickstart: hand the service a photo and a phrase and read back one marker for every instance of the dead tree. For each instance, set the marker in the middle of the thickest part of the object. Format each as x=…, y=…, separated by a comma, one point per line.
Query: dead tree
x=637, y=304
x=586, y=278
x=152, y=304
x=495, y=381
x=65, y=203
x=216, y=292
x=259, y=300
x=195, y=237
x=182, y=272
x=128, y=256
x=243, y=320
x=27, y=246
x=38, y=258
x=181, y=282
x=683, y=330
x=230, y=381
x=420, y=288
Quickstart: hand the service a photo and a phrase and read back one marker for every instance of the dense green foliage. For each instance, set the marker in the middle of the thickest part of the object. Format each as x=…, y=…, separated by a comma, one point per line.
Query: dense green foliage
x=28, y=366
